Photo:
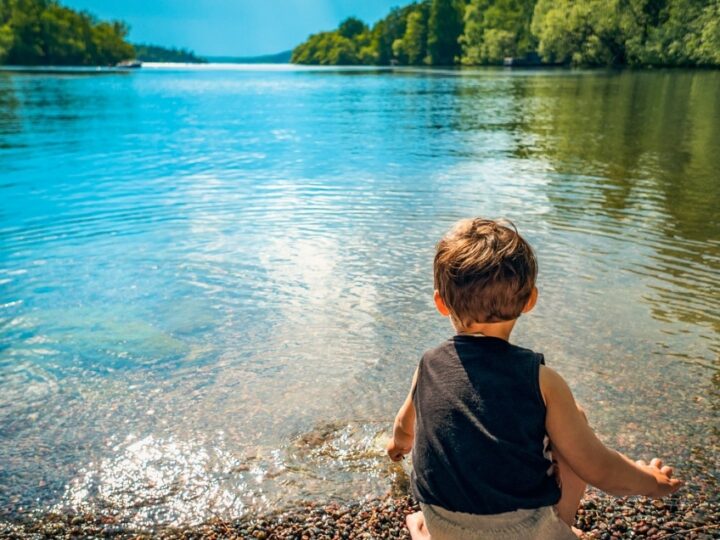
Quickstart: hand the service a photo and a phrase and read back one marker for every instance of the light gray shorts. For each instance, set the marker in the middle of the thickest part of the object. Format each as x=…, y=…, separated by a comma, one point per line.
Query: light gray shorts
x=535, y=524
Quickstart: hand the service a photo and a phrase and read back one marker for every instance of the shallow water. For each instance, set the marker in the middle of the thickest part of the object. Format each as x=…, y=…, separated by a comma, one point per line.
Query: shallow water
x=215, y=283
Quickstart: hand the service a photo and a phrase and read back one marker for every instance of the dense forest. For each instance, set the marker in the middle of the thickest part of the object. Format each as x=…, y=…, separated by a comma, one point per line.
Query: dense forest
x=155, y=53
x=577, y=32
x=42, y=32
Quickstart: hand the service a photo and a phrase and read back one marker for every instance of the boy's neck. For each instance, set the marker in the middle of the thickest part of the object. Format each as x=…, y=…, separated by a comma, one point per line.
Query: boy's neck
x=500, y=330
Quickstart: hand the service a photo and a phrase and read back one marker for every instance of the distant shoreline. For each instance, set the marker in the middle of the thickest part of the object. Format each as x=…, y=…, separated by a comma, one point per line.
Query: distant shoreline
x=273, y=66
x=278, y=58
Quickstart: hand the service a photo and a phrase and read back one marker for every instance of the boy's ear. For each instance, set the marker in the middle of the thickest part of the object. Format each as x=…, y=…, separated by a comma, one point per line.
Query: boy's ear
x=440, y=304
x=531, y=301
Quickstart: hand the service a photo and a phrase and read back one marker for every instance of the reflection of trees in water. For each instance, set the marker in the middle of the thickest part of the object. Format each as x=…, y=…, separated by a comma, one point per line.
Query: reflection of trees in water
x=486, y=105
x=53, y=99
x=9, y=120
x=50, y=101
x=636, y=154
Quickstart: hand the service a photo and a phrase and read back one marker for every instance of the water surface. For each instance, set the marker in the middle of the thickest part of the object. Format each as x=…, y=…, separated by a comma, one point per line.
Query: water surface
x=215, y=284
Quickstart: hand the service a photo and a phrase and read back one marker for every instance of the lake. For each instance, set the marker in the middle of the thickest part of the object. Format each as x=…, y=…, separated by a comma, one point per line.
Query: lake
x=216, y=282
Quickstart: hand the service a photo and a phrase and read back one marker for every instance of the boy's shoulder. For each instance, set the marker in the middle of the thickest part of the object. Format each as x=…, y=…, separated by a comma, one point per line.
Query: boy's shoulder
x=458, y=344
x=443, y=349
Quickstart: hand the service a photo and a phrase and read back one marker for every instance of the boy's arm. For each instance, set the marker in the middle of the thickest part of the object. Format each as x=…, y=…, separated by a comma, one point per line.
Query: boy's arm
x=591, y=460
x=404, y=427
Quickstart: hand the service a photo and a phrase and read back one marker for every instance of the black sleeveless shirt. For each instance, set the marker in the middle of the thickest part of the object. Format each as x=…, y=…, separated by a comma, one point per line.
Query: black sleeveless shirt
x=480, y=429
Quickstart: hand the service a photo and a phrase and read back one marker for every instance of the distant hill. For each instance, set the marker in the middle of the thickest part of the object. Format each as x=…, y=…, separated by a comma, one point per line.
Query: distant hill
x=156, y=53
x=279, y=58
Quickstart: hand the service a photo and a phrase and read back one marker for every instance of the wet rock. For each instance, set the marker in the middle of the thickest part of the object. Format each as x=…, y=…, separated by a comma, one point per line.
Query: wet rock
x=600, y=517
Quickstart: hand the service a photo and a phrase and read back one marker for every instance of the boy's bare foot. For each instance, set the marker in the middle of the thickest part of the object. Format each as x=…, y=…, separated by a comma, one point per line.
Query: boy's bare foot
x=416, y=523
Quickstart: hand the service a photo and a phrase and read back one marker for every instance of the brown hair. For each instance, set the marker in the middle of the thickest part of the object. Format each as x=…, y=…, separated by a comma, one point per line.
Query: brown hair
x=484, y=271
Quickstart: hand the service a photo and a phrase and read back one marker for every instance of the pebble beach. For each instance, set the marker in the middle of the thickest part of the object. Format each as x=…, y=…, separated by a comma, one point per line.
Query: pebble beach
x=693, y=513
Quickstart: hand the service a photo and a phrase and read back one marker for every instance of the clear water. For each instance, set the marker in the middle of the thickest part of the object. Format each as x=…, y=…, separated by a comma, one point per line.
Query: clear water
x=215, y=283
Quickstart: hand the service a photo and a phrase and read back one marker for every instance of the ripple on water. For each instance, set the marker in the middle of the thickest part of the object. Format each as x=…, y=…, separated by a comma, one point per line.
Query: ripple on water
x=215, y=285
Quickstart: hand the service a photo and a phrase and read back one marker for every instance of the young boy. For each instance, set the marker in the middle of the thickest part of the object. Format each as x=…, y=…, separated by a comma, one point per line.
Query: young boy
x=480, y=410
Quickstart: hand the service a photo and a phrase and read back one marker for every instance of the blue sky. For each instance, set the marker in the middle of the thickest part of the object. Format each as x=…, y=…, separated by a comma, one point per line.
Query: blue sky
x=232, y=27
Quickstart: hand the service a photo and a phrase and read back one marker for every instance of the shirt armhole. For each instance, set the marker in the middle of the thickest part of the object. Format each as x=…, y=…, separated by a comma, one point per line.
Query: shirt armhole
x=536, y=378
x=414, y=388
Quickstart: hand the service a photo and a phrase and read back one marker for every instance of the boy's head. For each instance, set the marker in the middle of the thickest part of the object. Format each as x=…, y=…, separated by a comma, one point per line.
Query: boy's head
x=484, y=272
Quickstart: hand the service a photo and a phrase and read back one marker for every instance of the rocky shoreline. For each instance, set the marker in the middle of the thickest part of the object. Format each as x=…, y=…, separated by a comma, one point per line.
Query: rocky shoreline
x=689, y=515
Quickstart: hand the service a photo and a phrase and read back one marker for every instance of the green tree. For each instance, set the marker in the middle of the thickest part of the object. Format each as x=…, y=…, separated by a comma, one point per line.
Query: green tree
x=495, y=29
x=706, y=50
x=109, y=44
x=497, y=45
x=351, y=27
x=412, y=47
x=445, y=27
x=24, y=21
x=6, y=41
x=638, y=19
x=677, y=38
x=388, y=30
x=634, y=32
x=156, y=53
x=579, y=31
x=35, y=32
x=60, y=41
x=326, y=48
x=367, y=51
x=443, y=32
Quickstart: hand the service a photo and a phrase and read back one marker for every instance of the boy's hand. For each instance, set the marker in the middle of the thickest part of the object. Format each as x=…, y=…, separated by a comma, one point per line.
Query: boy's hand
x=664, y=483
x=398, y=449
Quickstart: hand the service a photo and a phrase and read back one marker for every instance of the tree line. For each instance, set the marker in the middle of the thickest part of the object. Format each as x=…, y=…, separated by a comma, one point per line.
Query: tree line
x=477, y=32
x=156, y=53
x=43, y=32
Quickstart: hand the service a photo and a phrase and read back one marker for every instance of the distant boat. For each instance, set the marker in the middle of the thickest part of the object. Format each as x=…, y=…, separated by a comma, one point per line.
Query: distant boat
x=129, y=64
